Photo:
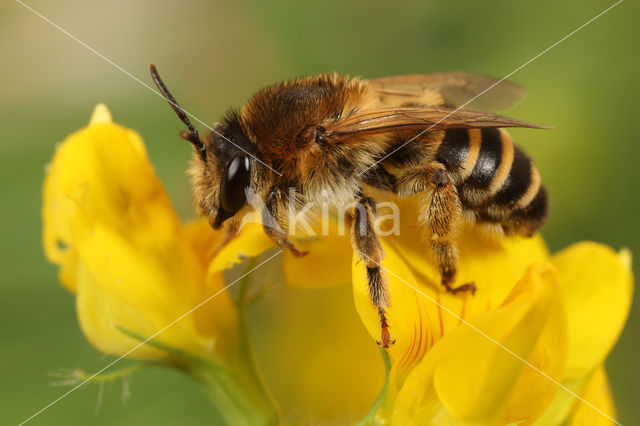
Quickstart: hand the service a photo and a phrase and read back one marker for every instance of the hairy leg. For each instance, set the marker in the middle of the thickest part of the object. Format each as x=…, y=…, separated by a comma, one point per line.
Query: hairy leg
x=368, y=249
x=274, y=219
x=442, y=214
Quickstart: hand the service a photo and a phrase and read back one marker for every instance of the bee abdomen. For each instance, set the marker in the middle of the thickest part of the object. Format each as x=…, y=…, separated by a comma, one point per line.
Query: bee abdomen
x=459, y=151
x=495, y=178
x=519, y=179
x=486, y=166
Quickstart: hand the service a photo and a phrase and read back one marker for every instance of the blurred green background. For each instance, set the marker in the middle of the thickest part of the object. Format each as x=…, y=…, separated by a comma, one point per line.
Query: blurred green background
x=216, y=54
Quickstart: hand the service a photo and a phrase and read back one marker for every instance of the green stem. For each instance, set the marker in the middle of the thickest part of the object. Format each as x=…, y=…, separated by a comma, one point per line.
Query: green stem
x=239, y=392
x=179, y=355
x=245, y=347
x=371, y=418
x=239, y=400
x=246, y=353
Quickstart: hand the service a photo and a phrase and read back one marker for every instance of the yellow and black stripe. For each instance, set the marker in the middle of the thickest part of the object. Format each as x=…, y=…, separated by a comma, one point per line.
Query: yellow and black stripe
x=495, y=178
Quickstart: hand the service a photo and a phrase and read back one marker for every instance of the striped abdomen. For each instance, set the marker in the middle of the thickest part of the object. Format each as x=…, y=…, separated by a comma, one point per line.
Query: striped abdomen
x=496, y=180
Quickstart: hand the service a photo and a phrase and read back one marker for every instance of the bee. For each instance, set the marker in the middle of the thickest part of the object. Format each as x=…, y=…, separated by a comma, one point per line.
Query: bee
x=335, y=137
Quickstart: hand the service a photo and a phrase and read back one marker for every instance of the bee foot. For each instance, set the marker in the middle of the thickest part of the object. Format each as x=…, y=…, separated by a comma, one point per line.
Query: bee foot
x=385, y=339
x=385, y=336
x=468, y=287
x=297, y=253
x=387, y=344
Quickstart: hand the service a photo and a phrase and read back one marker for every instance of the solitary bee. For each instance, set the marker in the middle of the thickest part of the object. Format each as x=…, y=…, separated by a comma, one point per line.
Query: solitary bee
x=335, y=137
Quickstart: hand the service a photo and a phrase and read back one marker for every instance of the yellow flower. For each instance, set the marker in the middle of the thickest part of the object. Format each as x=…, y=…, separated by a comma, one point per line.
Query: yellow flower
x=499, y=357
x=146, y=285
x=136, y=270
x=533, y=337
x=122, y=250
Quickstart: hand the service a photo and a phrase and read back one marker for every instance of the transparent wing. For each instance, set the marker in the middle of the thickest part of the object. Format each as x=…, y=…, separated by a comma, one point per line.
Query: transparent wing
x=387, y=120
x=456, y=88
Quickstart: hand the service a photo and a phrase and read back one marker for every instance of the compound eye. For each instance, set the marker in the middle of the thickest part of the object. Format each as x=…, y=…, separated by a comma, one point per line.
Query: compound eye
x=235, y=180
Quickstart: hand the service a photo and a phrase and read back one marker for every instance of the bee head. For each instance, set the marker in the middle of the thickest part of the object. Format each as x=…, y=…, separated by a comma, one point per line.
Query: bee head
x=221, y=184
x=221, y=170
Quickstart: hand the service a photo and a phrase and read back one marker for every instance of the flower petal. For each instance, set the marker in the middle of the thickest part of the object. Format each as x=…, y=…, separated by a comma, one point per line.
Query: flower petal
x=100, y=313
x=597, y=284
x=250, y=242
x=101, y=114
x=536, y=388
x=58, y=204
x=597, y=393
x=162, y=280
x=332, y=249
x=415, y=317
x=421, y=315
x=103, y=200
x=468, y=371
x=328, y=262
x=203, y=239
x=494, y=263
x=317, y=357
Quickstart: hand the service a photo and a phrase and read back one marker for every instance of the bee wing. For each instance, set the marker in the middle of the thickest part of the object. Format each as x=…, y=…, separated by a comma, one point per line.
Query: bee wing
x=388, y=120
x=456, y=88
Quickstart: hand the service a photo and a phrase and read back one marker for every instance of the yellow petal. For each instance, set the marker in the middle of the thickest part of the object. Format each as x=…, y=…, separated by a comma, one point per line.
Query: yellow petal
x=101, y=114
x=101, y=172
x=100, y=313
x=597, y=287
x=597, y=393
x=558, y=411
x=493, y=263
x=414, y=316
x=328, y=259
x=57, y=209
x=161, y=283
x=536, y=388
x=203, y=239
x=307, y=271
x=318, y=359
x=250, y=242
x=470, y=375
x=328, y=262
x=104, y=202
x=492, y=372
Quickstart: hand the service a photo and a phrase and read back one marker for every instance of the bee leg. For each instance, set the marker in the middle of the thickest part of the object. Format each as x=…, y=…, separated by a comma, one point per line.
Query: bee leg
x=443, y=216
x=230, y=230
x=367, y=246
x=274, y=220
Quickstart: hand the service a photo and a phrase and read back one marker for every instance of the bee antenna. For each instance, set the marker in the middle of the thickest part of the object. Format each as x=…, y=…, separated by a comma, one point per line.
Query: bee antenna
x=192, y=135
